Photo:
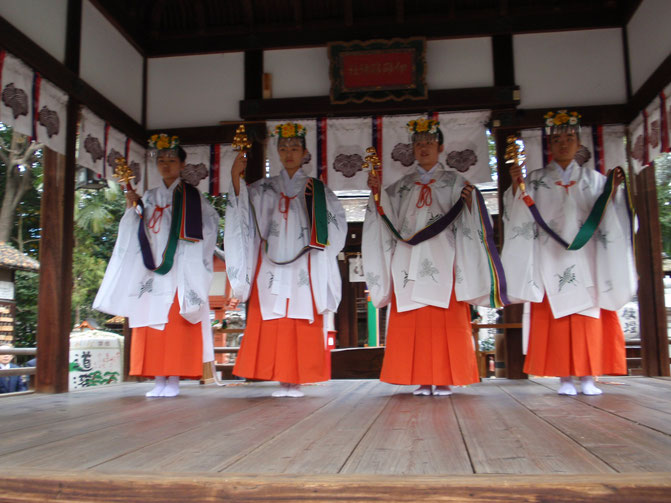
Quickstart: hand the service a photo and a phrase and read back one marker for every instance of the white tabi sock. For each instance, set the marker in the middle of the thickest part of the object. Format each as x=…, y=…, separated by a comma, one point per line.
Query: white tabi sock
x=424, y=390
x=294, y=391
x=588, y=387
x=283, y=391
x=442, y=391
x=159, y=384
x=171, y=387
x=567, y=387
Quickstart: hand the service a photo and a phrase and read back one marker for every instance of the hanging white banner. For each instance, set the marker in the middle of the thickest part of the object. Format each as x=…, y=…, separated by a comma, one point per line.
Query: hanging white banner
x=654, y=129
x=310, y=159
x=638, y=147
x=346, y=144
x=17, y=95
x=197, y=166
x=398, y=158
x=138, y=165
x=226, y=157
x=91, y=142
x=52, y=111
x=466, y=148
x=115, y=149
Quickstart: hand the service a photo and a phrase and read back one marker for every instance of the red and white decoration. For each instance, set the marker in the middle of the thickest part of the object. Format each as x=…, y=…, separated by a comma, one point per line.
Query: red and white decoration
x=346, y=144
x=649, y=132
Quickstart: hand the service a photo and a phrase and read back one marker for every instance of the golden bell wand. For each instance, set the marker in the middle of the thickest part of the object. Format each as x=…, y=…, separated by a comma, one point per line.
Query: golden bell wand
x=241, y=142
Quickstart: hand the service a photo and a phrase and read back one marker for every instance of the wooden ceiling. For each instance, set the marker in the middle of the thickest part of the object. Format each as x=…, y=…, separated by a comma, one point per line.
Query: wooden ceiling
x=180, y=27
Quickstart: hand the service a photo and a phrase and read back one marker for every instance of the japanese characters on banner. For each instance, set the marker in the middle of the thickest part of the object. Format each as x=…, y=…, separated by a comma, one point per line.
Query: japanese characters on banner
x=310, y=160
x=466, y=148
x=346, y=144
x=16, y=105
x=51, y=106
x=91, y=152
x=601, y=148
x=649, y=132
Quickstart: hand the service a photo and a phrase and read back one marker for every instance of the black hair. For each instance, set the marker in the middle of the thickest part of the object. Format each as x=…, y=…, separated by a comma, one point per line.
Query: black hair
x=439, y=134
x=181, y=153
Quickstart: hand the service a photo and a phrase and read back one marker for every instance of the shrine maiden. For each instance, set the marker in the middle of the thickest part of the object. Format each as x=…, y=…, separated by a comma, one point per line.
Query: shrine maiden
x=160, y=273
x=430, y=280
x=282, y=238
x=574, y=329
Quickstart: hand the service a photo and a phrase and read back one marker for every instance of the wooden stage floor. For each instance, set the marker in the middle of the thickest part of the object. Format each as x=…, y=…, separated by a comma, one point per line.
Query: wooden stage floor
x=344, y=441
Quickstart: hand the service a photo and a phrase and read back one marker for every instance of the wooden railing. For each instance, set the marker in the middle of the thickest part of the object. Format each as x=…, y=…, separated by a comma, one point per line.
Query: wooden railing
x=20, y=371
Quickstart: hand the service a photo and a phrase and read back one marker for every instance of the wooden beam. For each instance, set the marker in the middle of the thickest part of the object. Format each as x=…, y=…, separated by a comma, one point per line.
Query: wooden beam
x=67, y=80
x=37, y=487
x=73, y=38
x=256, y=159
x=627, y=63
x=655, y=84
x=452, y=99
x=524, y=118
x=502, y=56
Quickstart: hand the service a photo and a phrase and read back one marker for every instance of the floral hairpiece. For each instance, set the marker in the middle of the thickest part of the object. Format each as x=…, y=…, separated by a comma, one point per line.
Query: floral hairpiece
x=163, y=141
x=560, y=120
x=423, y=126
x=289, y=130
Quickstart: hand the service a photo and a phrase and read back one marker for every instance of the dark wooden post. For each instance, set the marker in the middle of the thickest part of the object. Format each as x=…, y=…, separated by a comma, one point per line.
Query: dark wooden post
x=57, y=209
x=651, y=308
x=54, y=317
x=254, y=90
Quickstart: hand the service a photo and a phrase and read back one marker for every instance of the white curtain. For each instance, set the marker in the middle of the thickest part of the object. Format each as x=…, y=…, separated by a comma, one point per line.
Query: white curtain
x=397, y=155
x=91, y=153
x=137, y=162
x=346, y=144
x=197, y=167
x=466, y=148
x=51, y=117
x=17, y=95
x=226, y=157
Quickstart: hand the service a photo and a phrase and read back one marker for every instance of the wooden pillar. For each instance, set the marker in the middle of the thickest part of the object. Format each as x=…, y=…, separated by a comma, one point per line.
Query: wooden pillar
x=345, y=318
x=651, y=307
x=54, y=311
x=514, y=359
x=57, y=221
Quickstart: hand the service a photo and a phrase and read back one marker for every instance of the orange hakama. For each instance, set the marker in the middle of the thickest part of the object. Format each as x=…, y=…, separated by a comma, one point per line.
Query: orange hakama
x=285, y=349
x=574, y=345
x=430, y=345
x=177, y=350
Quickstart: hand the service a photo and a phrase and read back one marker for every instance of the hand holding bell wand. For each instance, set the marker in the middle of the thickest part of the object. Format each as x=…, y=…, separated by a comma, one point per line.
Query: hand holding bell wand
x=242, y=144
x=514, y=154
x=372, y=161
x=124, y=175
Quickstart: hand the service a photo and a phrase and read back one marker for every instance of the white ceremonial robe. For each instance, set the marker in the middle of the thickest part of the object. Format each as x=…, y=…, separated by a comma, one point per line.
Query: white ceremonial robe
x=145, y=297
x=424, y=274
x=601, y=275
x=286, y=234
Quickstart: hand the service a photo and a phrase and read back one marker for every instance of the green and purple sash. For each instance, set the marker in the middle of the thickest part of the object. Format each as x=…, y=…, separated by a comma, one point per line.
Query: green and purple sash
x=498, y=296
x=186, y=224
x=315, y=205
x=596, y=214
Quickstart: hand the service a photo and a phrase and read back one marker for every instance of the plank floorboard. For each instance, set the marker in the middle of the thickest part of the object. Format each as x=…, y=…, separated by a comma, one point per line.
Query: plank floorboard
x=504, y=436
x=414, y=435
x=229, y=436
x=328, y=435
x=621, y=443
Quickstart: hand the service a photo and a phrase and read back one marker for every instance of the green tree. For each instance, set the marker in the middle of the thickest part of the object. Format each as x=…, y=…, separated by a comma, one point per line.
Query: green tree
x=663, y=175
